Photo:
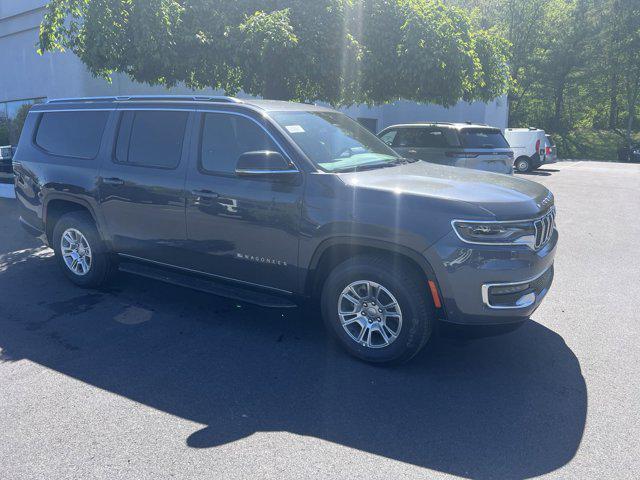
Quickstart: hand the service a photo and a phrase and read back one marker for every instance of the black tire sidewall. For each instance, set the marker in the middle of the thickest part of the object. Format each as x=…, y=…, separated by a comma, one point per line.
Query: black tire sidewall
x=100, y=261
x=417, y=316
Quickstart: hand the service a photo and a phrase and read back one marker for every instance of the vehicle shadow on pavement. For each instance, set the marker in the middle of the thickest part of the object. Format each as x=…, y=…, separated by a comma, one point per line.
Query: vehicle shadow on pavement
x=511, y=406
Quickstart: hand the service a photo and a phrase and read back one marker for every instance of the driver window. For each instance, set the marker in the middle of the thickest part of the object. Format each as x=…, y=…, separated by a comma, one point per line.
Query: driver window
x=225, y=137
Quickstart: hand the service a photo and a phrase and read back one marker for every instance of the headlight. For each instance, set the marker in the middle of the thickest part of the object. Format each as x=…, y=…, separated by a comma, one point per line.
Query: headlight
x=488, y=233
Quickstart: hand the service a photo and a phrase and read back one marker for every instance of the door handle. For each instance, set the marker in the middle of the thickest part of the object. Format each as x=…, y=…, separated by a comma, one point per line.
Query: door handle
x=113, y=181
x=204, y=193
x=412, y=151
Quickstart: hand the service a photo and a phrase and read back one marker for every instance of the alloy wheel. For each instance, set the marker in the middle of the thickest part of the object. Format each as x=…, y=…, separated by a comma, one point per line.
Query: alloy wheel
x=370, y=314
x=76, y=251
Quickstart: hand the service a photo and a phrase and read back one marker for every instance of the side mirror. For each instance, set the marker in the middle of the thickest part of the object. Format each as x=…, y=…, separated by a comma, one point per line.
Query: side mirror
x=264, y=163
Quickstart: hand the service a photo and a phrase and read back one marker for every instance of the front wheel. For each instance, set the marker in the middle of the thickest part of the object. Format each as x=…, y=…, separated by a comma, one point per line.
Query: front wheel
x=378, y=309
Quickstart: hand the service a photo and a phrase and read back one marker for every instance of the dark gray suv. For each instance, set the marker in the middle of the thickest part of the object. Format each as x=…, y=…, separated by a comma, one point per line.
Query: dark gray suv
x=464, y=145
x=277, y=203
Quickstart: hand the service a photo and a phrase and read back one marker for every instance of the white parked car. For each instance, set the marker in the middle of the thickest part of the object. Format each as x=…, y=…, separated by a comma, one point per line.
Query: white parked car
x=529, y=147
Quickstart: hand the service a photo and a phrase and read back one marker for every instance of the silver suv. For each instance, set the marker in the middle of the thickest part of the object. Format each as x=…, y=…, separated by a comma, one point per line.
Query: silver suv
x=457, y=144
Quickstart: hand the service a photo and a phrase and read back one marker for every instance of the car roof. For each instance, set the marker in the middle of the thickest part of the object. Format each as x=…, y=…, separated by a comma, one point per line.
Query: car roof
x=456, y=125
x=175, y=100
x=523, y=130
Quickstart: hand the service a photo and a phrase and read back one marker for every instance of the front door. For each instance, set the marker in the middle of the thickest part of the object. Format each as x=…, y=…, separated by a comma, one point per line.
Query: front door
x=240, y=228
x=141, y=187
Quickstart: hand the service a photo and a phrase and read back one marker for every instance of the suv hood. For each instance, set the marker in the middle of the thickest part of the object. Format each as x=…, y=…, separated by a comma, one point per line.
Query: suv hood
x=504, y=196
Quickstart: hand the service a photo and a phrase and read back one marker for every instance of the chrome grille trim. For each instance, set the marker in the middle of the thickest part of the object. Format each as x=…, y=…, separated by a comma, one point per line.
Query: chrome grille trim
x=544, y=228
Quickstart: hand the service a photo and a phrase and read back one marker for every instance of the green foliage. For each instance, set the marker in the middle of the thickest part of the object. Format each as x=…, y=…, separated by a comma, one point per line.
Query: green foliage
x=16, y=124
x=591, y=144
x=339, y=51
x=4, y=131
x=575, y=64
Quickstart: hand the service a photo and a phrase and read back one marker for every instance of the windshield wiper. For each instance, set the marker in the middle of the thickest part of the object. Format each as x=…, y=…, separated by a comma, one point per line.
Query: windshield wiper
x=376, y=165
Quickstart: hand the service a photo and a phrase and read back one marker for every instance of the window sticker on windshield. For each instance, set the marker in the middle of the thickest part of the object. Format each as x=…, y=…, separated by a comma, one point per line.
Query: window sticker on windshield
x=295, y=129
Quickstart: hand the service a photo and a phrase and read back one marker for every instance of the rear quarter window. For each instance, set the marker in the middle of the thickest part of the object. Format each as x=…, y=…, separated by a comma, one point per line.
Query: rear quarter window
x=71, y=134
x=483, y=138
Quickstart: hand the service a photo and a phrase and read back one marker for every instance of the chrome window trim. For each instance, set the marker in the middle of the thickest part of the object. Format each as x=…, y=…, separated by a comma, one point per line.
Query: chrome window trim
x=487, y=286
x=259, y=172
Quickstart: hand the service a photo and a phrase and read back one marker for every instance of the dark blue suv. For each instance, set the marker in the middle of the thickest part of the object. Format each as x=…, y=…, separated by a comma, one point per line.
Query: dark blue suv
x=273, y=203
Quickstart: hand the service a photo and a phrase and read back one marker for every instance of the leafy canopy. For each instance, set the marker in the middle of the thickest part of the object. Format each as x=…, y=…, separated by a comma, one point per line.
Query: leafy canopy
x=338, y=51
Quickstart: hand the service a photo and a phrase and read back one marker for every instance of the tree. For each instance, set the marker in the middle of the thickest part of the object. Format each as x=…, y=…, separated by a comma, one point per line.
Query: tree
x=4, y=130
x=623, y=33
x=17, y=122
x=338, y=51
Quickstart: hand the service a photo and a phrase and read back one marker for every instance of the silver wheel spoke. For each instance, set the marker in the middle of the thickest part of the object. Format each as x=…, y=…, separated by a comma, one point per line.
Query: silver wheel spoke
x=372, y=304
x=369, y=344
x=76, y=251
x=385, y=337
x=361, y=335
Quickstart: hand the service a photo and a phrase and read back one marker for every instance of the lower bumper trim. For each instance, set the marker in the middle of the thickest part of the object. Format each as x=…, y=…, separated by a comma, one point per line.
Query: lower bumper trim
x=536, y=288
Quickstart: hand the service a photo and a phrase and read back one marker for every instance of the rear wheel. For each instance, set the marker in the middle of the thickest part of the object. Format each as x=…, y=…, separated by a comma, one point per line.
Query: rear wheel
x=80, y=251
x=378, y=309
x=523, y=164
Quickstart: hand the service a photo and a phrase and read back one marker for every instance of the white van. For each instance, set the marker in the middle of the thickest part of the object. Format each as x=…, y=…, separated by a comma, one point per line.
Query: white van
x=528, y=145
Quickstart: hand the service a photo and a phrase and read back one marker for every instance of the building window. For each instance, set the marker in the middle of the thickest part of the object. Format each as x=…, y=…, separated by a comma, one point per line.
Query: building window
x=12, y=117
x=370, y=124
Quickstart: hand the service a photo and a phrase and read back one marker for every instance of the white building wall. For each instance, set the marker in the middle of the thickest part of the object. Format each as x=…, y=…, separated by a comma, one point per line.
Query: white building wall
x=26, y=75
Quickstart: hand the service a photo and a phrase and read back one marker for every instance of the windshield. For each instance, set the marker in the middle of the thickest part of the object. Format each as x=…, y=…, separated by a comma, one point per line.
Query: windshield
x=333, y=141
x=483, y=138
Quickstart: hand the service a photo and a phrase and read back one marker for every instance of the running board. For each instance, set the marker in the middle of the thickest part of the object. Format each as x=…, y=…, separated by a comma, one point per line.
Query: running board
x=206, y=285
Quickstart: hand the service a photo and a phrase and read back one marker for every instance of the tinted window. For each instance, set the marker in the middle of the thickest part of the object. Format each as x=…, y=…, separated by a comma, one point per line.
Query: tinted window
x=438, y=138
x=389, y=136
x=72, y=134
x=151, y=138
x=407, y=137
x=426, y=137
x=483, y=138
x=226, y=137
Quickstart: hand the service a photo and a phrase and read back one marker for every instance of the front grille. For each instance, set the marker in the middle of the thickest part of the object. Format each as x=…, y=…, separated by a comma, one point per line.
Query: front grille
x=544, y=228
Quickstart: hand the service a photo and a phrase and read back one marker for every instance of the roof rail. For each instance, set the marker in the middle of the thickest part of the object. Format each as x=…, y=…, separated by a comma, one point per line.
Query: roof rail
x=128, y=98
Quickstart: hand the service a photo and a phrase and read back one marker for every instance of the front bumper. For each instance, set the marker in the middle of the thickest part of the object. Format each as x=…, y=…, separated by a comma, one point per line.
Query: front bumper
x=475, y=280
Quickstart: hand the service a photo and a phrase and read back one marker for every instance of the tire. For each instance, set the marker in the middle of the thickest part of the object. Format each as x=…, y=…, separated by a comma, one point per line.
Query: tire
x=407, y=286
x=99, y=265
x=523, y=164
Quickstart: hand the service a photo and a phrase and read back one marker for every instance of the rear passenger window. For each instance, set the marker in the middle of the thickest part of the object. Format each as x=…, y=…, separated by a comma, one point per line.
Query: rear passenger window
x=71, y=134
x=225, y=137
x=407, y=137
x=426, y=137
x=151, y=138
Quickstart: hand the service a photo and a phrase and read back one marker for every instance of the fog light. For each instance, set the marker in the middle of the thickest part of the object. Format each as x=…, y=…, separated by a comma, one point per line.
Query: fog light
x=509, y=289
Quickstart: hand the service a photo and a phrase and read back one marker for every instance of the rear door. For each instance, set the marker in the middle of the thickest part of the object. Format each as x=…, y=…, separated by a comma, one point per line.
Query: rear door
x=141, y=187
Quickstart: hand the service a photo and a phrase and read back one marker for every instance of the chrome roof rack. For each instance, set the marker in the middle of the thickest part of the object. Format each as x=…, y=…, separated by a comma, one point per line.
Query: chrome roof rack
x=134, y=98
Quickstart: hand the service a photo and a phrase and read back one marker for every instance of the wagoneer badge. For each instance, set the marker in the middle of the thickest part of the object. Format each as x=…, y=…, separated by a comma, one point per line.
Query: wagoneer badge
x=253, y=258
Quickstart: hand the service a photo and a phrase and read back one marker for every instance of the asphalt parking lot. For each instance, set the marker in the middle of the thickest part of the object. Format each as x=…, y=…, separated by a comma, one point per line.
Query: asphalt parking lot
x=147, y=380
